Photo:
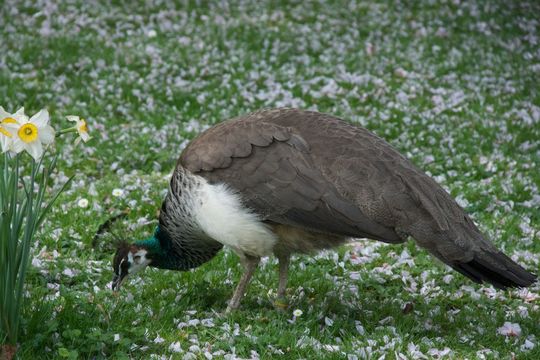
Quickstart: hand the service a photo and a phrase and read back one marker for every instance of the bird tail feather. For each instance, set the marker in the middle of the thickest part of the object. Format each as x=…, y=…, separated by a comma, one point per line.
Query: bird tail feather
x=478, y=260
x=445, y=230
x=496, y=269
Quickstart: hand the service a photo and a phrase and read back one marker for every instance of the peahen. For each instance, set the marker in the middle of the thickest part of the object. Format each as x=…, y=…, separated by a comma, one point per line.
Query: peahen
x=286, y=181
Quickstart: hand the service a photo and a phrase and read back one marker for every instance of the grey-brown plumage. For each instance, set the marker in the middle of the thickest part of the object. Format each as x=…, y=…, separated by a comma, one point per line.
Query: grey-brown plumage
x=321, y=177
x=284, y=181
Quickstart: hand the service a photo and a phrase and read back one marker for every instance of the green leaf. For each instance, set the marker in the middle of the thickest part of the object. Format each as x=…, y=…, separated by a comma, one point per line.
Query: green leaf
x=63, y=352
x=73, y=354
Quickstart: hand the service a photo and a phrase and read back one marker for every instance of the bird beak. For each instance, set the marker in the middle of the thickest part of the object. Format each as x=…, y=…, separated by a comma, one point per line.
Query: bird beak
x=117, y=281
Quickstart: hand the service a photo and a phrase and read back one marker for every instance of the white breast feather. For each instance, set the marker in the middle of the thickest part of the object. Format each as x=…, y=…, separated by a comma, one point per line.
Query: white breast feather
x=222, y=216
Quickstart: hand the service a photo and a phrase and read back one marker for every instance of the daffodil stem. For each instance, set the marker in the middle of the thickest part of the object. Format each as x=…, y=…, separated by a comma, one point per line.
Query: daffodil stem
x=66, y=131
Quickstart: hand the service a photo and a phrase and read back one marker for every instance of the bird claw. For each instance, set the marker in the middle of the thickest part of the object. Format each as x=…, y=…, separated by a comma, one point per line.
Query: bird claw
x=281, y=303
x=231, y=307
x=222, y=314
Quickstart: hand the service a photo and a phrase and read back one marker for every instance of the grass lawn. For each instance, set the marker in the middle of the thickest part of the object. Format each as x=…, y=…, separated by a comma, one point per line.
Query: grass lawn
x=454, y=85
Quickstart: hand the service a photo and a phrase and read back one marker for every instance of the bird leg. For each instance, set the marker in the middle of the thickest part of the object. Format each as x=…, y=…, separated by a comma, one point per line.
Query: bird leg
x=250, y=264
x=284, y=261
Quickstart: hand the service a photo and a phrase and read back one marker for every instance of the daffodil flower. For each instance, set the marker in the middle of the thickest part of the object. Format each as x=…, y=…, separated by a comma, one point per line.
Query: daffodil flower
x=30, y=134
x=17, y=117
x=6, y=137
x=81, y=128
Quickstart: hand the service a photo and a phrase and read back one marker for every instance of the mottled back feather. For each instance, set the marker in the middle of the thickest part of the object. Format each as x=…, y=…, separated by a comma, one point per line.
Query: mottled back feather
x=318, y=172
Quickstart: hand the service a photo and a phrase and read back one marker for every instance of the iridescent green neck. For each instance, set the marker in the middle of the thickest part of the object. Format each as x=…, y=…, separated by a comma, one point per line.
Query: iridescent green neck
x=182, y=253
x=160, y=251
x=152, y=245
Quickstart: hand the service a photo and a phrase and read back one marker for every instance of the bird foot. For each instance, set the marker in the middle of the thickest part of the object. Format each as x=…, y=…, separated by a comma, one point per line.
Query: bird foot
x=281, y=303
x=225, y=313
x=232, y=306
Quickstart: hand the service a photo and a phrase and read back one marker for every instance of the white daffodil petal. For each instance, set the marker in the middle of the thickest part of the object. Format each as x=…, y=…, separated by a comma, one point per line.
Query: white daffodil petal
x=11, y=127
x=41, y=118
x=35, y=149
x=84, y=136
x=5, y=132
x=5, y=143
x=72, y=118
x=20, y=116
x=17, y=145
x=46, y=134
x=4, y=114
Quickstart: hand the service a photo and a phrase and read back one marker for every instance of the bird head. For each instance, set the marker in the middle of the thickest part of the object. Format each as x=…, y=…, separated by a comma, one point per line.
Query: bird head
x=129, y=259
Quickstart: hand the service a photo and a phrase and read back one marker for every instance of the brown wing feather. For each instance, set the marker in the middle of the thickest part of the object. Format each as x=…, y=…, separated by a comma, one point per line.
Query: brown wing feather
x=314, y=170
x=278, y=178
